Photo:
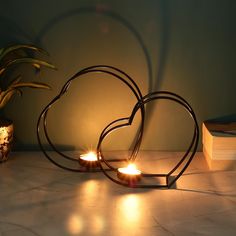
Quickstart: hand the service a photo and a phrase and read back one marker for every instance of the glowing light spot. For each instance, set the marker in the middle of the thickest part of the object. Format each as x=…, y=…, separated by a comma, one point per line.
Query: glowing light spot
x=130, y=170
x=75, y=224
x=97, y=224
x=90, y=156
x=130, y=210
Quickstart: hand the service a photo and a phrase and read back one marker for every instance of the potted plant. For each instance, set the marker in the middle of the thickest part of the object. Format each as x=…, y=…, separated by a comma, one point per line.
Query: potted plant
x=9, y=58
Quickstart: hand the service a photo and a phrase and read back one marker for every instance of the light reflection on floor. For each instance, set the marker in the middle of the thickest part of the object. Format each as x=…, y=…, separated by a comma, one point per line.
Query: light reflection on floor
x=130, y=209
x=62, y=203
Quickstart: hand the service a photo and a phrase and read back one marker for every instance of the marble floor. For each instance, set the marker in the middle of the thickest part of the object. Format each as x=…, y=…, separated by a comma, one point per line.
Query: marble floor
x=38, y=198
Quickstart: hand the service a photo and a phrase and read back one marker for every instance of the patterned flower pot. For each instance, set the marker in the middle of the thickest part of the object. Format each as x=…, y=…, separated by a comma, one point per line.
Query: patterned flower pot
x=6, y=138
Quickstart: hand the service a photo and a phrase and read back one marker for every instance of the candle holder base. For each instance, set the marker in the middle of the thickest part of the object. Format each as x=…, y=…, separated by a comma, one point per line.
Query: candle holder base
x=128, y=178
x=89, y=164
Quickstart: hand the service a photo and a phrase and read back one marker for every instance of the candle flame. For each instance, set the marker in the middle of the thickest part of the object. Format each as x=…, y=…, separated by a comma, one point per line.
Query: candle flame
x=90, y=156
x=130, y=169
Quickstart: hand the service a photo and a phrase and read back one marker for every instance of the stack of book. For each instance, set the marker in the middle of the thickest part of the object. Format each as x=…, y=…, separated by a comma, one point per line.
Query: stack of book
x=219, y=143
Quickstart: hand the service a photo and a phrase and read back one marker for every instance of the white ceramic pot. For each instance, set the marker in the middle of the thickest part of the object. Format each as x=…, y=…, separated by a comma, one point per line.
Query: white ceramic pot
x=6, y=138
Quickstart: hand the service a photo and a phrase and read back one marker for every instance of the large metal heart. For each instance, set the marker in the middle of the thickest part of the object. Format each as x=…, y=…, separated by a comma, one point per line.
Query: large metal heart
x=107, y=165
x=66, y=161
x=169, y=178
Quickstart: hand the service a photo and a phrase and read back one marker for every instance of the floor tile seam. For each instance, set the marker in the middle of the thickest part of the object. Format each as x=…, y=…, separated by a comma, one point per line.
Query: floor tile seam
x=31, y=189
x=165, y=228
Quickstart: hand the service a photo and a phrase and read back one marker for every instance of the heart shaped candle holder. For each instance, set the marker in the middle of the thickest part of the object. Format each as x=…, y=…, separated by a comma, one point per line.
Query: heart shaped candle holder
x=127, y=176
x=86, y=162
x=130, y=179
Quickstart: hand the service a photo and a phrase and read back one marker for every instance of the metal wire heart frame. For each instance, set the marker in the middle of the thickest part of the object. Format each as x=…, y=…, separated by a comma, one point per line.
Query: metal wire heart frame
x=108, y=166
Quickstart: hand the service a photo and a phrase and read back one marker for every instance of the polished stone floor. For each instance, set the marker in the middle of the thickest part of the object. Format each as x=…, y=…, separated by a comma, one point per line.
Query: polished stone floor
x=37, y=198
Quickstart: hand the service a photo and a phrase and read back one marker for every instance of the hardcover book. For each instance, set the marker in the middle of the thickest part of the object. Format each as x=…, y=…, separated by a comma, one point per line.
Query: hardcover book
x=219, y=142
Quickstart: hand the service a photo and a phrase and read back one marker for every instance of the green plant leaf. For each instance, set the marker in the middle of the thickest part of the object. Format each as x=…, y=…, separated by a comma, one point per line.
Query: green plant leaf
x=6, y=63
x=19, y=92
x=28, y=60
x=5, y=96
x=1, y=51
x=30, y=85
x=37, y=66
x=16, y=80
x=10, y=49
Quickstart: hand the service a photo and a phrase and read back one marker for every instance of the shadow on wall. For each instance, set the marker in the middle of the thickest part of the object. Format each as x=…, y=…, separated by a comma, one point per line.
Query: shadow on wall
x=154, y=84
x=114, y=16
x=104, y=12
x=156, y=81
x=15, y=34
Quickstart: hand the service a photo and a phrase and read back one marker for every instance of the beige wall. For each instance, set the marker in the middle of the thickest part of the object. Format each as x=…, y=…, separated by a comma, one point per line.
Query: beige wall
x=184, y=46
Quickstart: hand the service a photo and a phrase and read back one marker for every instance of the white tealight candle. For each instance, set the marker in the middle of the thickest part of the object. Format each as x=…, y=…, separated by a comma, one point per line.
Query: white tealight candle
x=129, y=173
x=130, y=170
x=89, y=160
x=90, y=156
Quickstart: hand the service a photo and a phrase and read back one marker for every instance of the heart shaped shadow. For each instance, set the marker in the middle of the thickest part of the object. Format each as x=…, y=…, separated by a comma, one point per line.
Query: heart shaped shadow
x=165, y=180
x=66, y=161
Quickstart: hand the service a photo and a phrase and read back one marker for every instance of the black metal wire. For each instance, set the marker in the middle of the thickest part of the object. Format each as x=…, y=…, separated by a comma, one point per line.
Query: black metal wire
x=110, y=70
x=193, y=145
x=105, y=165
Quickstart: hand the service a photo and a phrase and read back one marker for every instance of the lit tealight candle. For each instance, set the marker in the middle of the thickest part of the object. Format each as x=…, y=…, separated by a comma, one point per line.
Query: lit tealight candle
x=129, y=173
x=89, y=160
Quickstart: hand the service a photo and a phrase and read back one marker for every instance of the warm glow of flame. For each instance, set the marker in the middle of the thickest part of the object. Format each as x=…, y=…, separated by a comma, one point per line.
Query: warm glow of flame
x=130, y=211
x=75, y=224
x=130, y=170
x=90, y=156
x=93, y=223
x=88, y=188
x=97, y=224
